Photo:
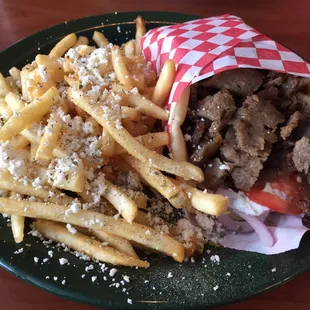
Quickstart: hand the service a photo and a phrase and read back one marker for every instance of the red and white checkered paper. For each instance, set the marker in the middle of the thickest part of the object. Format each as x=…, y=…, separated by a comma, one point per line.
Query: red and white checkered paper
x=204, y=47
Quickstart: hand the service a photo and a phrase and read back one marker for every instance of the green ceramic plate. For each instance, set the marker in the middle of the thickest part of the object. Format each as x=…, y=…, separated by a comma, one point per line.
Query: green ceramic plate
x=192, y=284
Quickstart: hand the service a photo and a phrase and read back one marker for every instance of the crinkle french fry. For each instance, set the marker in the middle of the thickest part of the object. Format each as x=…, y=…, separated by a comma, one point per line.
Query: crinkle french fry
x=119, y=66
x=4, y=86
x=212, y=204
x=100, y=39
x=18, y=225
x=87, y=245
x=160, y=182
x=133, y=147
x=146, y=106
x=28, y=115
x=149, y=140
x=8, y=183
x=164, y=83
x=81, y=41
x=63, y=45
x=49, y=139
x=141, y=234
x=119, y=243
x=140, y=32
x=120, y=200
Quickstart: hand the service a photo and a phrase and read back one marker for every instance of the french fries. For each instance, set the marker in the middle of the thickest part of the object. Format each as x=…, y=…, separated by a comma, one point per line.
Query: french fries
x=150, y=140
x=164, y=83
x=108, y=144
x=125, y=206
x=133, y=147
x=119, y=66
x=49, y=139
x=62, y=46
x=87, y=245
x=4, y=87
x=100, y=39
x=116, y=242
x=81, y=119
x=15, y=74
x=160, y=182
x=212, y=204
x=81, y=41
x=130, y=49
x=18, y=224
x=93, y=220
x=8, y=183
x=5, y=111
x=146, y=106
x=140, y=32
x=178, y=146
x=28, y=115
x=131, y=114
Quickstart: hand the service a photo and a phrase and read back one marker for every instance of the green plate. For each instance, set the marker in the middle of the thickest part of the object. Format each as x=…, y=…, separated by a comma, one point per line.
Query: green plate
x=192, y=285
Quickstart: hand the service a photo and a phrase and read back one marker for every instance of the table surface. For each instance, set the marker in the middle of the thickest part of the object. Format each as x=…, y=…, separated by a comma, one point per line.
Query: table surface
x=284, y=20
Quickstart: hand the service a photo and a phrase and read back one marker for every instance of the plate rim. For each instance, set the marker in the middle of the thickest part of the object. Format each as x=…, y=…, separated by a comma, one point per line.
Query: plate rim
x=52, y=287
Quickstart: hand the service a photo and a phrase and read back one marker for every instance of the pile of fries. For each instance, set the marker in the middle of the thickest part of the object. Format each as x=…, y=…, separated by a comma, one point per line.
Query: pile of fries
x=71, y=123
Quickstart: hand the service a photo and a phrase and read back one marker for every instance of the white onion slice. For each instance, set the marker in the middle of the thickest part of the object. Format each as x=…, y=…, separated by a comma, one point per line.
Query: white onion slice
x=233, y=225
x=260, y=228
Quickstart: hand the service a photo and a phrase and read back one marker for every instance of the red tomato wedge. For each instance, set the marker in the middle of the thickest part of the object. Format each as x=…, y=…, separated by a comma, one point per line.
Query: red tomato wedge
x=292, y=190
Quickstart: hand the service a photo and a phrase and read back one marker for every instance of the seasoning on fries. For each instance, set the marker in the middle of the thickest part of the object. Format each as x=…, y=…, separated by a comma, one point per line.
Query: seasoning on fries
x=78, y=146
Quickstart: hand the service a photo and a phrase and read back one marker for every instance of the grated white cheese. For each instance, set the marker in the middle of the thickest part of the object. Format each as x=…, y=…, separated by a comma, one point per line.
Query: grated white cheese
x=71, y=229
x=36, y=259
x=93, y=278
x=126, y=278
x=215, y=259
x=90, y=267
x=112, y=272
x=224, y=167
x=43, y=74
x=63, y=261
x=19, y=251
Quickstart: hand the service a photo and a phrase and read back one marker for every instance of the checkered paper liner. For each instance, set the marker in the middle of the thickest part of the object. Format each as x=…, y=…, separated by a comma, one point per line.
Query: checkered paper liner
x=204, y=47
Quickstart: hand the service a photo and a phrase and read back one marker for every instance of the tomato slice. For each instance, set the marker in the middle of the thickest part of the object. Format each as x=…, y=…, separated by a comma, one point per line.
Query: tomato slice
x=292, y=190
